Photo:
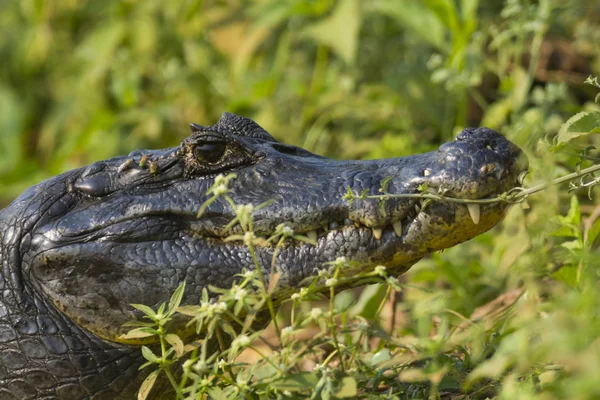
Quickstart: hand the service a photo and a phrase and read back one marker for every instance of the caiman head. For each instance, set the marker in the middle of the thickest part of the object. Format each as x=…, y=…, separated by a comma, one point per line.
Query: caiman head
x=126, y=230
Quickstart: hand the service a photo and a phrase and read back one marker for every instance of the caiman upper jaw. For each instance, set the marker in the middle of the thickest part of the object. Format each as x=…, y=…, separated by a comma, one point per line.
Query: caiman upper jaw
x=479, y=163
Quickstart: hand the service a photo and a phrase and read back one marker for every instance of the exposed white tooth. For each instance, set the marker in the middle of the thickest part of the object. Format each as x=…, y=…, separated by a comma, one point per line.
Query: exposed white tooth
x=348, y=221
x=312, y=235
x=521, y=177
x=333, y=225
x=474, y=212
x=398, y=228
x=377, y=233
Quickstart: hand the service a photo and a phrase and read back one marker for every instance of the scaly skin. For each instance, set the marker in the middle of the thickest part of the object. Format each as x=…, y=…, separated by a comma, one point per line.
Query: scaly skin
x=77, y=249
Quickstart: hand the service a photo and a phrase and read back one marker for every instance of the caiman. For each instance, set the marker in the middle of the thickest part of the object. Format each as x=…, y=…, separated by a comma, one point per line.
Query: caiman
x=79, y=248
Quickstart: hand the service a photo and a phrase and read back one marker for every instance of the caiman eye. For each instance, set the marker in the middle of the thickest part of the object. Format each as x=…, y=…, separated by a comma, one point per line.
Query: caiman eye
x=209, y=152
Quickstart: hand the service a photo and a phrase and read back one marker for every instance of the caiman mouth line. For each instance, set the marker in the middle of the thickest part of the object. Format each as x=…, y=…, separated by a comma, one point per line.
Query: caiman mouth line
x=396, y=227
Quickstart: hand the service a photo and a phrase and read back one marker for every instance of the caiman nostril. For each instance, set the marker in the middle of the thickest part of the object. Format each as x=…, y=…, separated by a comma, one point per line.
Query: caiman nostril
x=466, y=133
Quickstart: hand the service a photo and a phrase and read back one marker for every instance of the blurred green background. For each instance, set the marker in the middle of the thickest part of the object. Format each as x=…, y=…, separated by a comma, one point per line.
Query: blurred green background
x=86, y=80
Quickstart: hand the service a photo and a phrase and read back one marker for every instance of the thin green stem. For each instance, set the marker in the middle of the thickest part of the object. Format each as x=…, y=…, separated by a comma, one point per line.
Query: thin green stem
x=220, y=337
x=560, y=180
x=173, y=382
x=515, y=195
x=165, y=363
x=329, y=357
x=265, y=358
x=388, y=290
x=268, y=298
x=332, y=325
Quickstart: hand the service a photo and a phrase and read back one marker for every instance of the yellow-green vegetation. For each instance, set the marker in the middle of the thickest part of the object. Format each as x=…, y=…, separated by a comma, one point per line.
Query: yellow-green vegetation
x=512, y=314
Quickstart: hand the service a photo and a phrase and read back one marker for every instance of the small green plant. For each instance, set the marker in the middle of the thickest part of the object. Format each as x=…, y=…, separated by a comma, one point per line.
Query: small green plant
x=156, y=327
x=350, y=354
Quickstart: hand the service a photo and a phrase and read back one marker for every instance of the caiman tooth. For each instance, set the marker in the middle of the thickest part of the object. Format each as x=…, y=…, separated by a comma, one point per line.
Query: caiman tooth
x=377, y=233
x=418, y=207
x=398, y=228
x=348, y=221
x=474, y=212
x=521, y=177
x=312, y=235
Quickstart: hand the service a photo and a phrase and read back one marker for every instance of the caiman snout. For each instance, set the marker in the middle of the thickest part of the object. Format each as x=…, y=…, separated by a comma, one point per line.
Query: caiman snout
x=480, y=162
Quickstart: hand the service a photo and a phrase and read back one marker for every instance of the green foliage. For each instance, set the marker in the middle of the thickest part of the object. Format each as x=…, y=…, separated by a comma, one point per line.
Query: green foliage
x=512, y=314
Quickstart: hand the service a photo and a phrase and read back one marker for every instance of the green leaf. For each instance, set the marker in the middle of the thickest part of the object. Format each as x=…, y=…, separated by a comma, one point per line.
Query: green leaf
x=228, y=329
x=300, y=382
x=340, y=30
x=574, y=215
x=149, y=355
x=450, y=383
x=445, y=10
x=146, y=386
x=497, y=113
x=415, y=16
x=368, y=302
x=176, y=298
x=348, y=388
x=191, y=311
x=161, y=309
x=580, y=124
x=490, y=369
x=592, y=234
x=572, y=245
x=469, y=9
x=566, y=231
x=344, y=300
x=217, y=393
x=264, y=371
x=381, y=356
x=149, y=312
x=176, y=342
x=139, y=333
x=139, y=324
x=568, y=275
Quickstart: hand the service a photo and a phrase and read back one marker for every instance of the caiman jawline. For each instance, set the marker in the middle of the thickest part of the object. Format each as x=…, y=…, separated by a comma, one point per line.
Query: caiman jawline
x=396, y=227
